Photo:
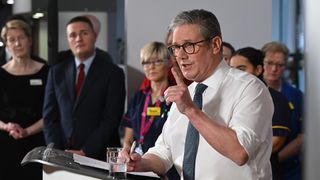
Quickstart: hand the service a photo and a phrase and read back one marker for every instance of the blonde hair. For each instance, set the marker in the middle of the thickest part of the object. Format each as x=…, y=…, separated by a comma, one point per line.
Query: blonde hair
x=154, y=50
x=15, y=24
x=276, y=47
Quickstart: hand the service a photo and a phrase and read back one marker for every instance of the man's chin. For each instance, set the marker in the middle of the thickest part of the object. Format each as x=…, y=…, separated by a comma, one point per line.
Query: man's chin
x=82, y=55
x=188, y=76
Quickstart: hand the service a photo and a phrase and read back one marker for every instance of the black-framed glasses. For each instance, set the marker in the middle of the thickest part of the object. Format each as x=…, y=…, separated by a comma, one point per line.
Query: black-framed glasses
x=188, y=47
x=157, y=62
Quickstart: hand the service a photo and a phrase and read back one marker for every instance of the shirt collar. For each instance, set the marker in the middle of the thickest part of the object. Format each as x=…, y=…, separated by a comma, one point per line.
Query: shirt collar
x=87, y=62
x=216, y=78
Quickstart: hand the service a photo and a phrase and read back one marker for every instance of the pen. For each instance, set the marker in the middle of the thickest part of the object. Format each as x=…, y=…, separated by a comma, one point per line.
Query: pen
x=133, y=146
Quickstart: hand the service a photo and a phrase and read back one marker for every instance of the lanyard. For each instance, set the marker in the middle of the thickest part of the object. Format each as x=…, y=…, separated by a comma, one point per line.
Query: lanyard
x=144, y=127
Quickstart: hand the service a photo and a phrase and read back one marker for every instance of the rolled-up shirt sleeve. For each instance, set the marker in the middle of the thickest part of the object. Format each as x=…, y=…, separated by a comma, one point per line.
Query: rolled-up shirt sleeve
x=251, y=117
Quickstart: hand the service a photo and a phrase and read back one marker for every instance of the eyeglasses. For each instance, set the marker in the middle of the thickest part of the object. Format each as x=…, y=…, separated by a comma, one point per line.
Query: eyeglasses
x=270, y=63
x=156, y=62
x=13, y=40
x=188, y=47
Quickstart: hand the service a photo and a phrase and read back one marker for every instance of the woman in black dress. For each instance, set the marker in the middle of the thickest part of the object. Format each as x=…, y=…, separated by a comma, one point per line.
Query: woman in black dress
x=22, y=83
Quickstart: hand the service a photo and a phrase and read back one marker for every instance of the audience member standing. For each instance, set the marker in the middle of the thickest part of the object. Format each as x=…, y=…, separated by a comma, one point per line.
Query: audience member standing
x=276, y=55
x=5, y=54
x=22, y=85
x=84, y=98
x=101, y=54
x=147, y=111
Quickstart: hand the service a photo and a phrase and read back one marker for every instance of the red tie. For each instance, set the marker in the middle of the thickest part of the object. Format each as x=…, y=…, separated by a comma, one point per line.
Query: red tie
x=80, y=79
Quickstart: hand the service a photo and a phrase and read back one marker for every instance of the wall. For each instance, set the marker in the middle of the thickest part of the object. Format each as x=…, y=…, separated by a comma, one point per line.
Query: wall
x=43, y=39
x=312, y=95
x=243, y=23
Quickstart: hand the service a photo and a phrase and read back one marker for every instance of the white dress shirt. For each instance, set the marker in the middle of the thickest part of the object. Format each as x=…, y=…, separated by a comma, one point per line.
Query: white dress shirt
x=236, y=100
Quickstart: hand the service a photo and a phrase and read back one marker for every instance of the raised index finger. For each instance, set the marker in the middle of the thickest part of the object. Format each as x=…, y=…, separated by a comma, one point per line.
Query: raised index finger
x=177, y=74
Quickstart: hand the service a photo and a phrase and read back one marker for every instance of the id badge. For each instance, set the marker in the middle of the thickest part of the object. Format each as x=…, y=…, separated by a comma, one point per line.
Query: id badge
x=153, y=111
x=35, y=82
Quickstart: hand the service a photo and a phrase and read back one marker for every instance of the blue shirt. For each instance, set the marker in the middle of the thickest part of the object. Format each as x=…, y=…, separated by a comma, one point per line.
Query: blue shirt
x=292, y=166
x=295, y=99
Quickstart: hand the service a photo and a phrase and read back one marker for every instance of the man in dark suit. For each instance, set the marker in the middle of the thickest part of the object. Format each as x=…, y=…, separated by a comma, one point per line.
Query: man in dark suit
x=84, y=120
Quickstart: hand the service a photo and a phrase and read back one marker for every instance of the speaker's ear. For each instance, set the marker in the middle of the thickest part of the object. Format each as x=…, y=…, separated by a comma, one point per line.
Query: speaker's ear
x=216, y=43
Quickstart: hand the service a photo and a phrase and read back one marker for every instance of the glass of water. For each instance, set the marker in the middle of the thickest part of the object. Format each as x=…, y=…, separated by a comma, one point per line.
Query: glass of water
x=118, y=164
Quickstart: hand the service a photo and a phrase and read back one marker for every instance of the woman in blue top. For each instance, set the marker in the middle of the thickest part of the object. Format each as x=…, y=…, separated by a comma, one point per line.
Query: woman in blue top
x=147, y=111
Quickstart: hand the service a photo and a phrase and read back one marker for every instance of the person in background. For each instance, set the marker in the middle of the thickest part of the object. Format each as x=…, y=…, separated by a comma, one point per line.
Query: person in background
x=22, y=84
x=84, y=99
x=276, y=56
x=250, y=60
x=5, y=54
x=99, y=52
x=225, y=132
x=227, y=51
x=147, y=111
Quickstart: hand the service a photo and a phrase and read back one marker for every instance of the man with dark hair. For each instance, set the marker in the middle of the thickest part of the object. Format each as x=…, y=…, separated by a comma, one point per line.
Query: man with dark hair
x=84, y=98
x=225, y=131
x=99, y=52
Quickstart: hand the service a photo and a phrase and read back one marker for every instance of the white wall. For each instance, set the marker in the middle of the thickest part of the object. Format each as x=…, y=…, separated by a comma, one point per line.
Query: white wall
x=65, y=17
x=21, y=6
x=43, y=39
x=243, y=23
x=312, y=102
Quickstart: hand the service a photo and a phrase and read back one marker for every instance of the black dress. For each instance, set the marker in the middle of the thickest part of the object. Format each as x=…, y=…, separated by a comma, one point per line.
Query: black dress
x=21, y=100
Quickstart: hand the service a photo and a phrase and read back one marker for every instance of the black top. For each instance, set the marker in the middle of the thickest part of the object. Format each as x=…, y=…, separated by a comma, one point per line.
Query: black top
x=280, y=126
x=21, y=100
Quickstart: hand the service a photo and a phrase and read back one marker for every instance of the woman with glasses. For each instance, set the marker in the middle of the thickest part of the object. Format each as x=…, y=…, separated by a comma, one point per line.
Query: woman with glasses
x=147, y=111
x=22, y=83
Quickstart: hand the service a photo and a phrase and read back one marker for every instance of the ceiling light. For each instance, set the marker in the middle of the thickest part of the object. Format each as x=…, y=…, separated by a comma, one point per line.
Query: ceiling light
x=10, y=1
x=37, y=15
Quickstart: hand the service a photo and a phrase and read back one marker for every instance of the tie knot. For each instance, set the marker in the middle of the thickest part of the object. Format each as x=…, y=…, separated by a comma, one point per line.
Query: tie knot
x=200, y=88
x=81, y=66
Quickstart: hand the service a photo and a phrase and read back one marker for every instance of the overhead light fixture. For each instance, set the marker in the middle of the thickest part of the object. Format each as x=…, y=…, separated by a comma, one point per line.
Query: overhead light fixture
x=37, y=15
x=1, y=44
x=10, y=1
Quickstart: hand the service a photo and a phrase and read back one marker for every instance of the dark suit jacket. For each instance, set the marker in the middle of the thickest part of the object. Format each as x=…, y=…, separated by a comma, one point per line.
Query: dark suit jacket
x=92, y=120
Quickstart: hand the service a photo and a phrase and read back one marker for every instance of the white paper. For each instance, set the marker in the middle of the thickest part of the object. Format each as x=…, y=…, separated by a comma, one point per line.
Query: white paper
x=86, y=161
x=148, y=174
x=83, y=160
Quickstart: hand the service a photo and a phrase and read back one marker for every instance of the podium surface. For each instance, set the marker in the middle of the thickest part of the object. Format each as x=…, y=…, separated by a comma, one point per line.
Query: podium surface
x=58, y=164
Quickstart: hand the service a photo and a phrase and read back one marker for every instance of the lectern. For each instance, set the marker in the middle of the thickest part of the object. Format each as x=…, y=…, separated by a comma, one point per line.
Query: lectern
x=62, y=165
